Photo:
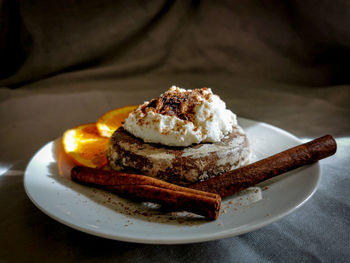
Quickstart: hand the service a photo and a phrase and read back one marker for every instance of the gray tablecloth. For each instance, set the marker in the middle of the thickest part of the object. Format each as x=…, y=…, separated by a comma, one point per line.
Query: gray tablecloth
x=40, y=112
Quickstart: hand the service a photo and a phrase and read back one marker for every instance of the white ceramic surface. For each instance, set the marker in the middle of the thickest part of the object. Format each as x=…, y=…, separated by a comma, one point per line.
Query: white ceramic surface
x=104, y=214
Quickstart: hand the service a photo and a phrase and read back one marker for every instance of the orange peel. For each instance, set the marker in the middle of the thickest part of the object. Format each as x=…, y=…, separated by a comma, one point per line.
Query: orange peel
x=85, y=146
x=113, y=119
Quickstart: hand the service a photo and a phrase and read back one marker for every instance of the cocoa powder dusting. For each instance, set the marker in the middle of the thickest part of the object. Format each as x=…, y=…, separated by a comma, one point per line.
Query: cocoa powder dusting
x=179, y=104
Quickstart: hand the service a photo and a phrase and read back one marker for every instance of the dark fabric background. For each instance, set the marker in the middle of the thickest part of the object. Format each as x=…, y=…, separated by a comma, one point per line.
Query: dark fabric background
x=299, y=42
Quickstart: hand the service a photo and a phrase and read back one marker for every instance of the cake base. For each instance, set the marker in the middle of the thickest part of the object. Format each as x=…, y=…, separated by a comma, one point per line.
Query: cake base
x=178, y=165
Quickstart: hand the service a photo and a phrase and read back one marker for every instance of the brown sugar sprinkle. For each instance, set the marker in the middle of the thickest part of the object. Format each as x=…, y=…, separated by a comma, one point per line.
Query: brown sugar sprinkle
x=179, y=104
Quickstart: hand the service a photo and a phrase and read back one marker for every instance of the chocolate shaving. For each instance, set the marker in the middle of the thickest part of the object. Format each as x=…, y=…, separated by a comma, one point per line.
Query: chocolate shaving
x=179, y=104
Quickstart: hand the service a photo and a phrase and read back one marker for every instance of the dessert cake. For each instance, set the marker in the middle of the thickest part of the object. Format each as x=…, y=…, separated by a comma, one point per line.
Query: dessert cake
x=182, y=137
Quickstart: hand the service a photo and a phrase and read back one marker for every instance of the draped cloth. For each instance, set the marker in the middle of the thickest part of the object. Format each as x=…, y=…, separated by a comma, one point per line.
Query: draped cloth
x=64, y=63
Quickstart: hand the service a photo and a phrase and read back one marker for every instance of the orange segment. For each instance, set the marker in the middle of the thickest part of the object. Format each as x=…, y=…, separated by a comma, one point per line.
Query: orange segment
x=85, y=146
x=112, y=120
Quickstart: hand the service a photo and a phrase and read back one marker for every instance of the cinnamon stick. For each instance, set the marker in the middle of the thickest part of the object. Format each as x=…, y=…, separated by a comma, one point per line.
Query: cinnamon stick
x=234, y=181
x=146, y=188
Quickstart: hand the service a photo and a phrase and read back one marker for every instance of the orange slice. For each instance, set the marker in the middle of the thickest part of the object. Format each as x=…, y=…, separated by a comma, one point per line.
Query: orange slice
x=84, y=145
x=112, y=120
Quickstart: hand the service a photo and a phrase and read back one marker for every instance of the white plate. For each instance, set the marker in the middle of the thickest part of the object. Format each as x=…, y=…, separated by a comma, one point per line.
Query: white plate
x=104, y=214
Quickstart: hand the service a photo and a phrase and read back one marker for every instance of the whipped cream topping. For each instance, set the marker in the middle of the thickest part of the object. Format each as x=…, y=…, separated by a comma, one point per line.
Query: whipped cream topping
x=181, y=117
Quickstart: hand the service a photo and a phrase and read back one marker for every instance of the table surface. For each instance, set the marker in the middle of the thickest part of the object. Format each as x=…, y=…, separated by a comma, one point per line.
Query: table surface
x=37, y=113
